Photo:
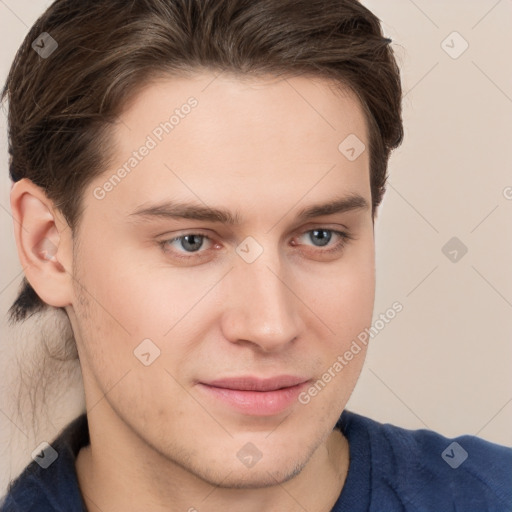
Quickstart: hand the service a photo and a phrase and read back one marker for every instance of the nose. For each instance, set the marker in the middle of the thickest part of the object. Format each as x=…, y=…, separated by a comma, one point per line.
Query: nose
x=260, y=306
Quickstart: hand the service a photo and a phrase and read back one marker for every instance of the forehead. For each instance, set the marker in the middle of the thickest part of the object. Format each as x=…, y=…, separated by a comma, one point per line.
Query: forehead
x=229, y=100
x=203, y=137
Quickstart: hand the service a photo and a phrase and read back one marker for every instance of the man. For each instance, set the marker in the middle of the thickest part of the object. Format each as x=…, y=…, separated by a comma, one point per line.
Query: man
x=197, y=191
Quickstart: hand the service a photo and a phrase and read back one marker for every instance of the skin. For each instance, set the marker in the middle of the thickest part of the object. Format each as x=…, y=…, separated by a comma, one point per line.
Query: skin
x=158, y=442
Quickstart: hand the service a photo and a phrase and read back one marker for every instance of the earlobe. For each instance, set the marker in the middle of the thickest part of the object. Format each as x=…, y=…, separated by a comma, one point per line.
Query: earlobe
x=44, y=243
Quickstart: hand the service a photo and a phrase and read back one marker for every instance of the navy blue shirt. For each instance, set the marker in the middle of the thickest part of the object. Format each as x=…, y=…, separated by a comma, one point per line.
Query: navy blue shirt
x=391, y=469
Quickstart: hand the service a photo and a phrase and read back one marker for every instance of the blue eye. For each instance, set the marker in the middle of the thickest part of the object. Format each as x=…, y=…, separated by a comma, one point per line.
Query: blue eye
x=323, y=236
x=191, y=242
x=189, y=245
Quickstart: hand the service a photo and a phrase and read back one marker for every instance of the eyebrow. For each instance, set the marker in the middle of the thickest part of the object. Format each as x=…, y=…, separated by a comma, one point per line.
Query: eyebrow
x=193, y=211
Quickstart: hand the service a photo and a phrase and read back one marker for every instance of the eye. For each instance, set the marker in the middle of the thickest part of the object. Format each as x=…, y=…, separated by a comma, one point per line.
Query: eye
x=321, y=237
x=188, y=243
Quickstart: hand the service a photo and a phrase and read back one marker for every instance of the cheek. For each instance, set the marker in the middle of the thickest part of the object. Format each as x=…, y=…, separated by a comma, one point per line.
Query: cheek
x=342, y=293
x=128, y=301
x=346, y=308
x=128, y=295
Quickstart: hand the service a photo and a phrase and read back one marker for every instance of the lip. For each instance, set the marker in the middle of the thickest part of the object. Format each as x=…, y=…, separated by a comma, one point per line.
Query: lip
x=256, y=396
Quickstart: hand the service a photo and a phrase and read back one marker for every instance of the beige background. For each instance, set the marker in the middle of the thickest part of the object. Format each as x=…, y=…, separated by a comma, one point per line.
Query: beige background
x=444, y=362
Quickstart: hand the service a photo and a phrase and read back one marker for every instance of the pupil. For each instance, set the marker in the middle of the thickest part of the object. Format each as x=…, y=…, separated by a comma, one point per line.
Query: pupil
x=192, y=246
x=324, y=240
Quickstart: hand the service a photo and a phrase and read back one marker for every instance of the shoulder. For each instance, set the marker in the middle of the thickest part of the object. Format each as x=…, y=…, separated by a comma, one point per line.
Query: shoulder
x=49, y=483
x=26, y=494
x=426, y=470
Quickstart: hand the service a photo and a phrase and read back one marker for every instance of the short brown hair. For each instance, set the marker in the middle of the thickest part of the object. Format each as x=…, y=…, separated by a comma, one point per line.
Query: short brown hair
x=61, y=107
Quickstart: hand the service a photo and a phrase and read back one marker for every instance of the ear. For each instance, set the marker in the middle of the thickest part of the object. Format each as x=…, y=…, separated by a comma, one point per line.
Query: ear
x=44, y=242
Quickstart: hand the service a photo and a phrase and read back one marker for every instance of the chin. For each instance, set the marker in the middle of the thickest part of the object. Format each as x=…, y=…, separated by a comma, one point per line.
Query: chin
x=252, y=478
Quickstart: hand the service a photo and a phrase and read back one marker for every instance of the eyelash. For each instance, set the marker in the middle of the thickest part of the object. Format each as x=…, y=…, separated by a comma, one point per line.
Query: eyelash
x=344, y=239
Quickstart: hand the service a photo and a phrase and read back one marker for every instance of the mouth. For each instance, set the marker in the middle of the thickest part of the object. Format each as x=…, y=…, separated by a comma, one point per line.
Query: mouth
x=255, y=396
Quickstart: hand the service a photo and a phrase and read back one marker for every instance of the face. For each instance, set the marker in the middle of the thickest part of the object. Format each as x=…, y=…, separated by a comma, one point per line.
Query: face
x=206, y=333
